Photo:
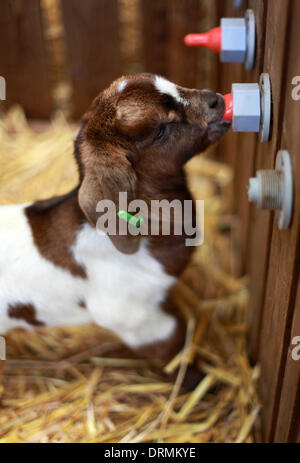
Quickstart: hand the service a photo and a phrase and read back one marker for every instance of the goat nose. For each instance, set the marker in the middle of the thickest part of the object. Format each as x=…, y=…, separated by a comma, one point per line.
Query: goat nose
x=211, y=98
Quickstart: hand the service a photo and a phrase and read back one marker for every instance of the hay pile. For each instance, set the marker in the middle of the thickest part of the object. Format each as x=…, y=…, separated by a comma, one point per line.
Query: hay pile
x=80, y=384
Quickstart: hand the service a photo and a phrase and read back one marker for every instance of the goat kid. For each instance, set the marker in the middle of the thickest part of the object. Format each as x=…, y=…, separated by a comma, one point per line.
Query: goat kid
x=57, y=269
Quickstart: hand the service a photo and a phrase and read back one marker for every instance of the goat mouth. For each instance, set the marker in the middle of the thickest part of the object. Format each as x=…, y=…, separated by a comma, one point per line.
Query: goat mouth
x=220, y=124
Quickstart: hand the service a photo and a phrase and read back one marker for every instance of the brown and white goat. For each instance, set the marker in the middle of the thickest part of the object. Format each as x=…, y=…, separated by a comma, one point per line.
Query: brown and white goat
x=57, y=269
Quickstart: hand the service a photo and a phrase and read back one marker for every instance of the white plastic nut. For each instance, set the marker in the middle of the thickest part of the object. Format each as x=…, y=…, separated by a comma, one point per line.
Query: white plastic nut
x=234, y=39
x=251, y=107
x=239, y=40
x=234, y=43
x=273, y=189
x=246, y=107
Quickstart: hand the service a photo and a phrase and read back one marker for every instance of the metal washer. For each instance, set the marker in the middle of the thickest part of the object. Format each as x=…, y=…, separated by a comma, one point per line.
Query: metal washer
x=284, y=165
x=265, y=98
x=251, y=39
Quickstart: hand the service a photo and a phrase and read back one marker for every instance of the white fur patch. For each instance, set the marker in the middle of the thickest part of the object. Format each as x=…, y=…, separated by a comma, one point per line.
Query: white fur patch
x=122, y=85
x=122, y=292
x=167, y=87
x=28, y=278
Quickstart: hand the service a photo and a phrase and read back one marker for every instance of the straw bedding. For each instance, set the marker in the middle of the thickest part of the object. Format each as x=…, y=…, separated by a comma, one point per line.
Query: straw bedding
x=81, y=384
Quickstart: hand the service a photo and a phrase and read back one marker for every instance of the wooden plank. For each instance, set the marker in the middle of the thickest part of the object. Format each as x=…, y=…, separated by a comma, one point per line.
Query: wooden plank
x=283, y=270
x=288, y=420
x=247, y=142
x=261, y=220
x=283, y=265
x=23, y=57
x=230, y=73
x=93, y=48
x=165, y=23
x=239, y=149
x=155, y=36
x=208, y=68
x=183, y=18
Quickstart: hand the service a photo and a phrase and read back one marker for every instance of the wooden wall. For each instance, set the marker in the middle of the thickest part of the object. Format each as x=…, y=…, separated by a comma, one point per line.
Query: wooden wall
x=271, y=256
x=93, y=48
x=23, y=58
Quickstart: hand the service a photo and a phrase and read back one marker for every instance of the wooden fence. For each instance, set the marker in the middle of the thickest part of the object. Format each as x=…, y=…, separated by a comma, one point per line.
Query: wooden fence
x=93, y=40
x=271, y=256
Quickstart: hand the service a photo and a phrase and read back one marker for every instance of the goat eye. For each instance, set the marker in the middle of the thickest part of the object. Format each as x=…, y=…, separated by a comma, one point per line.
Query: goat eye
x=160, y=133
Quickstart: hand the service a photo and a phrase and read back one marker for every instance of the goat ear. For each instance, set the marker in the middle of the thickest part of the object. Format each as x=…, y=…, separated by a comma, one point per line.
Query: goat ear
x=134, y=119
x=104, y=176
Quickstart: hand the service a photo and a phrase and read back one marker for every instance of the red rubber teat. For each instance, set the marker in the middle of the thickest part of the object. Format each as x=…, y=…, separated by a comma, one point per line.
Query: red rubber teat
x=211, y=39
x=228, y=107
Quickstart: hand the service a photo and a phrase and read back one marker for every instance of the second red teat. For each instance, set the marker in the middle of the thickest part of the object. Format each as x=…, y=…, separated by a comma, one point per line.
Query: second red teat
x=228, y=107
x=211, y=39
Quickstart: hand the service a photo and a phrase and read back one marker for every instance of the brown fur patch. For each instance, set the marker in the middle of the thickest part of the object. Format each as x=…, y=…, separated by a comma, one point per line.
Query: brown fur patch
x=106, y=172
x=24, y=312
x=166, y=350
x=54, y=232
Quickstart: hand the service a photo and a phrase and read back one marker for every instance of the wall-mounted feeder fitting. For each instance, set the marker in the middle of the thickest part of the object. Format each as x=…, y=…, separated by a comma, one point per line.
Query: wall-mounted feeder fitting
x=238, y=4
x=234, y=40
x=273, y=189
x=248, y=107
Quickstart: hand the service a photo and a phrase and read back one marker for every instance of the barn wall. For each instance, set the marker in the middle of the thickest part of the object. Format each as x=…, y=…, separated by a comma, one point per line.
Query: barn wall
x=23, y=57
x=91, y=35
x=270, y=256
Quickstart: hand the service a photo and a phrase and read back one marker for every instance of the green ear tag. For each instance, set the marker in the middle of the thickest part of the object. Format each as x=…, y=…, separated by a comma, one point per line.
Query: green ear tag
x=136, y=221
